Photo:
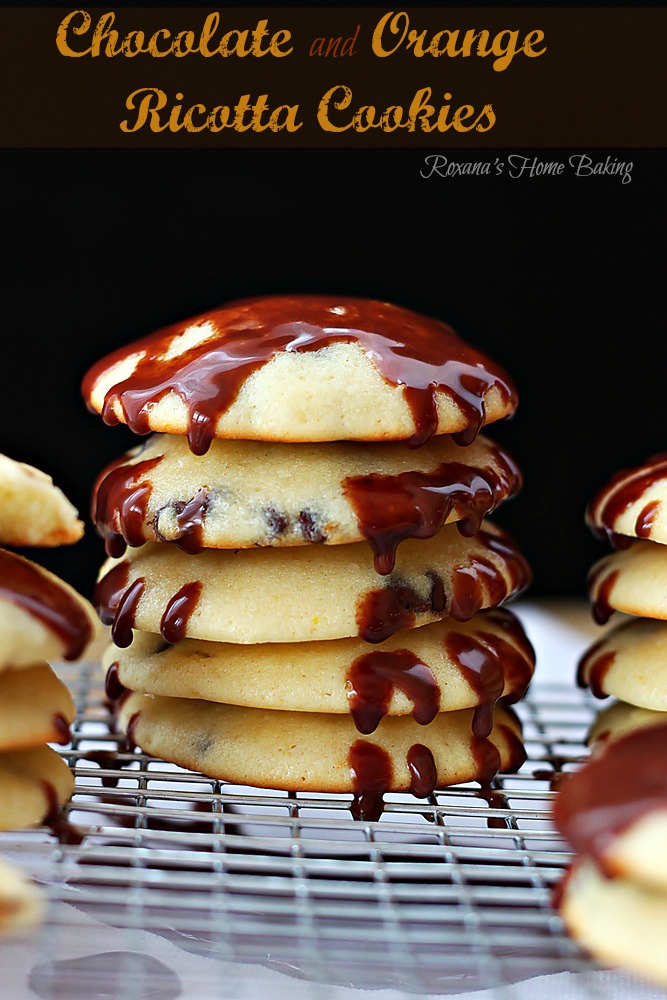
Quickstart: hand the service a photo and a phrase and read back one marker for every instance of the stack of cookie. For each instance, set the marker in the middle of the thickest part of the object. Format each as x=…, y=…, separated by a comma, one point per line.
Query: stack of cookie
x=614, y=814
x=629, y=662
x=308, y=550
x=41, y=619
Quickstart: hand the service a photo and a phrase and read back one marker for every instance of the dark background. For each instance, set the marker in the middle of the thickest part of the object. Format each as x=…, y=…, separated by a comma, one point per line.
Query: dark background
x=559, y=279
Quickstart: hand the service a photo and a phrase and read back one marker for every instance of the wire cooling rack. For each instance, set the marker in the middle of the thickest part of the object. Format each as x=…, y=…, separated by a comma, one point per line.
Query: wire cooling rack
x=443, y=896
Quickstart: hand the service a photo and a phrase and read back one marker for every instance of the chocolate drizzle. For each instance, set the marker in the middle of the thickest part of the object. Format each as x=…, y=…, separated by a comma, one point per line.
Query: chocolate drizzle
x=120, y=504
x=190, y=519
x=61, y=828
x=621, y=492
x=593, y=668
x=371, y=681
x=28, y=587
x=390, y=509
x=61, y=726
x=601, y=609
x=113, y=688
x=490, y=662
x=613, y=791
x=116, y=602
x=423, y=772
x=421, y=355
x=474, y=584
x=372, y=775
x=174, y=623
x=130, y=732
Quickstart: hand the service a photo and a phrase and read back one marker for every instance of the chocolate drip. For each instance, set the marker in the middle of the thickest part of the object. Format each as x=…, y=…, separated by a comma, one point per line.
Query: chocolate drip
x=421, y=355
x=28, y=587
x=601, y=609
x=622, y=491
x=113, y=688
x=417, y=504
x=190, y=518
x=116, y=602
x=371, y=681
x=489, y=663
x=487, y=758
x=109, y=761
x=120, y=504
x=593, y=668
x=474, y=584
x=423, y=772
x=130, y=732
x=645, y=519
x=123, y=623
x=496, y=800
x=174, y=623
x=61, y=726
x=61, y=828
x=613, y=791
x=372, y=774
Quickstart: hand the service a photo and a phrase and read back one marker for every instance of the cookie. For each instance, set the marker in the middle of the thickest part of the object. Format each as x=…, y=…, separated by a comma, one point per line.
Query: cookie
x=246, y=493
x=301, y=368
x=633, y=504
x=629, y=663
x=301, y=751
x=35, y=707
x=442, y=667
x=21, y=902
x=633, y=580
x=617, y=720
x=614, y=809
x=309, y=592
x=33, y=784
x=41, y=617
x=619, y=922
x=32, y=510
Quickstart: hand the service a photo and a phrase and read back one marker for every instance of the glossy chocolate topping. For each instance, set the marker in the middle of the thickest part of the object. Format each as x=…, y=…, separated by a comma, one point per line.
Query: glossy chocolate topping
x=61, y=726
x=593, y=668
x=621, y=492
x=174, y=623
x=601, y=608
x=28, y=587
x=372, y=679
x=614, y=790
x=417, y=504
x=480, y=581
x=423, y=772
x=489, y=662
x=372, y=775
x=120, y=503
x=419, y=354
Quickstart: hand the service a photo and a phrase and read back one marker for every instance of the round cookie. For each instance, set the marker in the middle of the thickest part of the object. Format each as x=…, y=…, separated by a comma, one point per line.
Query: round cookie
x=309, y=592
x=634, y=503
x=619, y=922
x=629, y=663
x=301, y=368
x=246, y=493
x=41, y=617
x=21, y=902
x=633, y=580
x=617, y=720
x=614, y=809
x=301, y=751
x=35, y=707
x=32, y=510
x=443, y=667
x=33, y=783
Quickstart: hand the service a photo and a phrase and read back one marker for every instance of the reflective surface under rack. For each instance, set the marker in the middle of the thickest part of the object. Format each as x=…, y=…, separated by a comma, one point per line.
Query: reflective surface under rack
x=442, y=896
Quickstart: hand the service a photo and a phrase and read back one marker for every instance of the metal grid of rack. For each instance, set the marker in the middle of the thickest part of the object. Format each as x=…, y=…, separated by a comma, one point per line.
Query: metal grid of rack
x=441, y=896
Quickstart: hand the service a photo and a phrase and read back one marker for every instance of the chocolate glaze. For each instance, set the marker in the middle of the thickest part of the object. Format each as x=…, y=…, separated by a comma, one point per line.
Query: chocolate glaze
x=487, y=755
x=108, y=760
x=601, y=609
x=120, y=504
x=417, y=504
x=116, y=602
x=61, y=726
x=372, y=774
x=174, y=623
x=621, y=492
x=61, y=828
x=419, y=354
x=489, y=662
x=371, y=681
x=613, y=791
x=423, y=772
x=190, y=518
x=113, y=688
x=130, y=741
x=29, y=588
x=477, y=582
x=496, y=800
x=593, y=667
x=645, y=519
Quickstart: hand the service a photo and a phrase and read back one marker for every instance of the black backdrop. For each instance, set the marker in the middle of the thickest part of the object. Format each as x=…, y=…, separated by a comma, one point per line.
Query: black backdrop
x=560, y=279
